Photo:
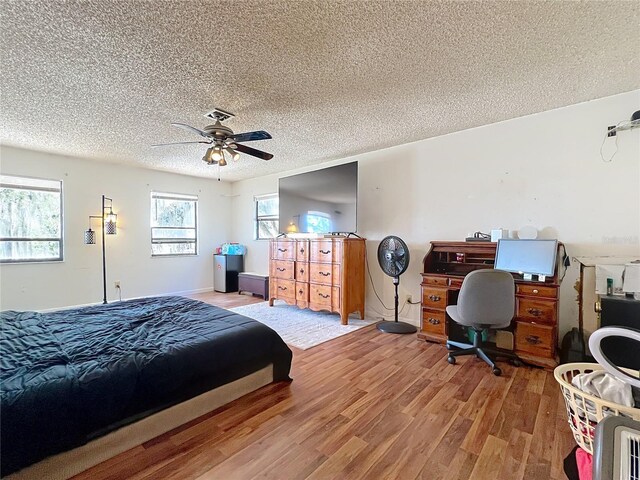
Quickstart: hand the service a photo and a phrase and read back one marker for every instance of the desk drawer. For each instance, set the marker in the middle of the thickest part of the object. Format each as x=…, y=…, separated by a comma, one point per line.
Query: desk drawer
x=324, y=273
x=536, y=311
x=433, y=322
x=536, y=291
x=429, y=280
x=535, y=339
x=282, y=269
x=434, y=297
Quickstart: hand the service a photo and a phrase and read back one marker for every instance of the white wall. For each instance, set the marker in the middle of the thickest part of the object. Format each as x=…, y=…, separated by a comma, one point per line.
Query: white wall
x=543, y=170
x=78, y=279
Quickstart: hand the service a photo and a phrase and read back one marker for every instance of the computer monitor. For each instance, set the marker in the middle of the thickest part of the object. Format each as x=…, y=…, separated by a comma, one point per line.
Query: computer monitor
x=528, y=257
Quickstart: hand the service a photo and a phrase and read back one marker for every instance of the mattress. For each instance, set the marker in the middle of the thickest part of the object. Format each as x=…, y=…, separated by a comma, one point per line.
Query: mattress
x=71, y=376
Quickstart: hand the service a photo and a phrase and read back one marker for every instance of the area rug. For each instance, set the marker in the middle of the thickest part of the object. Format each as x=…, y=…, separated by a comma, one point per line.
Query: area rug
x=301, y=328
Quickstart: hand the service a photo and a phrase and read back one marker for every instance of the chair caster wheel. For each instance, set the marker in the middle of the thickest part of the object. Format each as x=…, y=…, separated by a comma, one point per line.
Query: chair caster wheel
x=517, y=363
x=451, y=360
x=496, y=371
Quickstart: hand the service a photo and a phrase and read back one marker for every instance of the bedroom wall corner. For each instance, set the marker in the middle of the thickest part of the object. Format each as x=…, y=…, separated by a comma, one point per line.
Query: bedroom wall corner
x=78, y=279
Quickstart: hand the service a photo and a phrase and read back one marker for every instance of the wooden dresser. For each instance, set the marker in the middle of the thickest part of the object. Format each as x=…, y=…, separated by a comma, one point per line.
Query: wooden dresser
x=319, y=274
x=535, y=324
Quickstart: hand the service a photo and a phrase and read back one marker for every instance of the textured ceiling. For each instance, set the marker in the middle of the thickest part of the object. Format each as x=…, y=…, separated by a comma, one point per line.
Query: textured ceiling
x=104, y=79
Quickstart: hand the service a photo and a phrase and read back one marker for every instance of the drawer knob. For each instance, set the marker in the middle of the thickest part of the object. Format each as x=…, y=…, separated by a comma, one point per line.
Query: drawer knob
x=434, y=321
x=434, y=298
x=325, y=274
x=533, y=339
x=302, y=270
x=535, y=290
x=282, y=249
x=300, y=291
x=301, y=250
x=325, y=252
x=323, y=296
x=280, y=269
x=535, y=312
x=281, y=287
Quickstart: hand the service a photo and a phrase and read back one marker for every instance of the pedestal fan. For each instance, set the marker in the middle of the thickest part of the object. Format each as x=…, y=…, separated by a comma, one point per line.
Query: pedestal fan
x=393, y=257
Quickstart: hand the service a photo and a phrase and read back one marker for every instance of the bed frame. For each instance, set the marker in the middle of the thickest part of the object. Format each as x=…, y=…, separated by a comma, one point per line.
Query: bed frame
x=67, y=464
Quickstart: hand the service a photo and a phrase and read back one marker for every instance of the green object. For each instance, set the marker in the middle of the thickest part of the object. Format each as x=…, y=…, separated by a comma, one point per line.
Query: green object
x=609, y=286
x=471, y=334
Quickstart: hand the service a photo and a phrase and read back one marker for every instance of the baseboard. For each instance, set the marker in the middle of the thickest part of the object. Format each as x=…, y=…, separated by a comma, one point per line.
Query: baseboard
x=168, y=294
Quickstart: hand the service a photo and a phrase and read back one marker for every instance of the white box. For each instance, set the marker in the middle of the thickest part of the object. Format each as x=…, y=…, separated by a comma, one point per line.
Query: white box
x=498, y=234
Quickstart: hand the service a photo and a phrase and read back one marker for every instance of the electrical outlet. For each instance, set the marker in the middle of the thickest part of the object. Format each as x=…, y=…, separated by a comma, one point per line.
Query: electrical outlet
x=611, y=131
x=408, y=299
x=116, y=284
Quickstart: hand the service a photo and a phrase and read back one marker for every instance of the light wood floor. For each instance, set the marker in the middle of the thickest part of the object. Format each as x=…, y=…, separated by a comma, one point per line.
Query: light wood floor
x=368, y=406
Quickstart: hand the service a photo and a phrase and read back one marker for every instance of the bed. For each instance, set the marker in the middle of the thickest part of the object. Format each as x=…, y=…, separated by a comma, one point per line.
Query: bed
x=73, y=376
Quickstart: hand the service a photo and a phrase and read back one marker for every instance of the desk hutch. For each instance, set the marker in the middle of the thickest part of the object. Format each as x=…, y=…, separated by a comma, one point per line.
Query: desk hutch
x=535, y=323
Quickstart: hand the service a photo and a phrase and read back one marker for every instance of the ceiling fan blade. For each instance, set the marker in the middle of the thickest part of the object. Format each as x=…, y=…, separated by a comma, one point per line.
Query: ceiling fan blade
x=189, y=128
x=174, y=143
x=253, y=152
x=250, y=136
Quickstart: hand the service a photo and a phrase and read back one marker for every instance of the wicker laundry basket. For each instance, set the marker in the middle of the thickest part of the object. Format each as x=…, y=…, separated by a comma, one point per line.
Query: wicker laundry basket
x=584, y=411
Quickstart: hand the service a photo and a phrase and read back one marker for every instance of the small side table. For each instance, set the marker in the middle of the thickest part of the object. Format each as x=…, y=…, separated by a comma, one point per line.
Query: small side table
x=255, y=283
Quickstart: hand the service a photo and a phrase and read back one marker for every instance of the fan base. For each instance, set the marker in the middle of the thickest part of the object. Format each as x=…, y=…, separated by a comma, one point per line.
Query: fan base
x=396, y=327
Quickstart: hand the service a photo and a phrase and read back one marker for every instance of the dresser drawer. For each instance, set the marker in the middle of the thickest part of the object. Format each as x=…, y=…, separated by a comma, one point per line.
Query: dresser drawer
x=535, y=339
x=302, y=291
x=324, y=296
x=302, y=271
x=324, y=273
x=536, y=291
x=283, y=249
x=433, y=322
x=282, y=269
x=283, y=288
x=430, y=280
x=434, y=297
x=536, y=311
x=302, y=250
x=327, y=251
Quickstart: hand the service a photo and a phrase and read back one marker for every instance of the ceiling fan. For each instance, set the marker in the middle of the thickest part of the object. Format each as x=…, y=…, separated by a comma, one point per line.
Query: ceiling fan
x=222, y=139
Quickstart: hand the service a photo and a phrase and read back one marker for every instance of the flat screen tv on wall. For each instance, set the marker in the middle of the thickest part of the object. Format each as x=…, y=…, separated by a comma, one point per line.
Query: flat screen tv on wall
x=322, y=201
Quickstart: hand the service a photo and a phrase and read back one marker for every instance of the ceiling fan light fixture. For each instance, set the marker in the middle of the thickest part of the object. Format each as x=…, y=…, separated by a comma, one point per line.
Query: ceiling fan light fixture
x=222, y=162
x=217, y=154
x=235, y=156
x=208, y=156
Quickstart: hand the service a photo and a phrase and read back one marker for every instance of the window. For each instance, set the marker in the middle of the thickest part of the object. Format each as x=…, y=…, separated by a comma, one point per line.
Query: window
x=267, y=224
x=30, y=219
x=174, y=224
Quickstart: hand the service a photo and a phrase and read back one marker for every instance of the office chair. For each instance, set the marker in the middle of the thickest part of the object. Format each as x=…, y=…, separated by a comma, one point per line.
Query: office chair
x=486, y=301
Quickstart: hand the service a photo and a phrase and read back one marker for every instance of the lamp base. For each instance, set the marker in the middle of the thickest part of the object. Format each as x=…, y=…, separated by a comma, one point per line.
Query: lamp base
x=396, y=327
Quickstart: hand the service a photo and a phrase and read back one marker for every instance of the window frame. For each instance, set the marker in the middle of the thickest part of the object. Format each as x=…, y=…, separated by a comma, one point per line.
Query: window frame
x=180, y=197
x=262, y=218
x=59, y=239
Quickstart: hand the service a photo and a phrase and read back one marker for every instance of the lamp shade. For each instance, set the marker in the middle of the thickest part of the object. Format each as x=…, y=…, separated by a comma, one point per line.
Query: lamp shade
x=110, y=224
x=89, y=237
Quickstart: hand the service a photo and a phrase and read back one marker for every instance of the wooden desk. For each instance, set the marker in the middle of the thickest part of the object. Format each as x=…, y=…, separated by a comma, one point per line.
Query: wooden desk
x=535, y=322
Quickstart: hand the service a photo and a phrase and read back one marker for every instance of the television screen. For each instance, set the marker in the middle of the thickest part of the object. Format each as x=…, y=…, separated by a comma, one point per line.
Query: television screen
x=322, y=201
x=535, y=257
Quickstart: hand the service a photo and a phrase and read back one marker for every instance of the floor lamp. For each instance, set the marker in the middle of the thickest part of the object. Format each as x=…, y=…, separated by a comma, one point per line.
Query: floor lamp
x=108, y=220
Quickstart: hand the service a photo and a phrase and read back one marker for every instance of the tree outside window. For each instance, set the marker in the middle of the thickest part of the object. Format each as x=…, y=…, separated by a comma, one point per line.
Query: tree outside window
x=267, y=223
x=174, y=222
x=30, y=219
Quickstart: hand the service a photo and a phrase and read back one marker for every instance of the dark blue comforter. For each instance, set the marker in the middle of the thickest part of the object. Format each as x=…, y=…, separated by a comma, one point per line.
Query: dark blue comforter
x=70, y=376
